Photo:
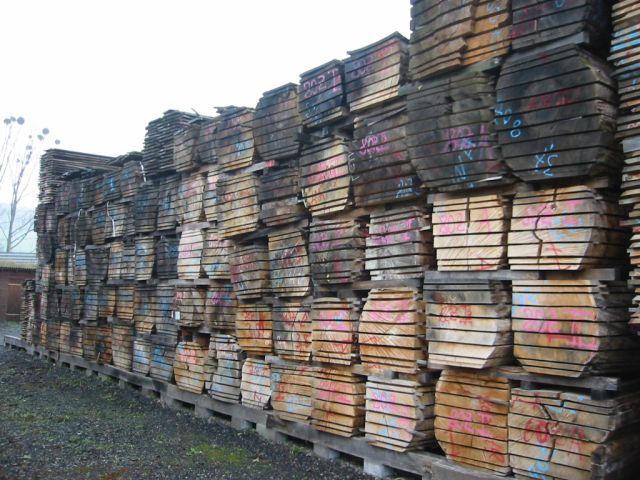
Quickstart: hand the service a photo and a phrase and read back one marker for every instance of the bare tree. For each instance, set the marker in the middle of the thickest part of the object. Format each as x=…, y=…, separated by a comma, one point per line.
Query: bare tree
x=18, y=160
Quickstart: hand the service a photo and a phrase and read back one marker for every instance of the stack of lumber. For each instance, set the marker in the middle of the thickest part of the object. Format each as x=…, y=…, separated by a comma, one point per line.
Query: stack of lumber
x=125, y=302
x=144, y=308
x=573, y=328
x=336, y=250
x=451, y=133
x=128, y=267
x=168, y=202
x=145, y=208
x=279, y=197
x=76, y=340
x=292, y=392
x=471, y=419
x=189, y=306
x=141, y=362
x=188, y=365
x=110, y=186
x=321, y=95
x=206, y=146
x=256, y=383
x=122, y=345
x=324, y=176
x=374, y=73
x=584, y=22
x=566, y=435
x=144, y=258
x=190, y=254
x=289, y=263
x=400, y=243
x=335, y=330
x=167, y=252
x=98, y=225
x=103, y=343
x=469, y=232
x=190, y=203
x=491, y=36
x=210, y=364
x=220, y=307
x=292, y=331
x=227, y=380
x=160, y=314
x=235, y=146
x=90, y=311
x=184, y=147
x=131, y=175
x=80, y=268
x=162, y=357
x=210, y=196
x=215, y=255
x=88, y=340
x=238, y=207
x=107, y=297
x=27, y=311
x=65, y=335
x=399, y=413
x=568, y=228
x=157, y=155
x=556, y=115
x=276, y=123
x=249, y=268
x=115, y=260
x=338, y=402
x=391, y=330
x=61, y=267
x=254, y=328
x=469, y=322
x=381, y=171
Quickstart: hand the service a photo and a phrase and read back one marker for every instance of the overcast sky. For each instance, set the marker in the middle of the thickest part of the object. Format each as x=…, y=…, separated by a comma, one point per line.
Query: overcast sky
x=95, y=73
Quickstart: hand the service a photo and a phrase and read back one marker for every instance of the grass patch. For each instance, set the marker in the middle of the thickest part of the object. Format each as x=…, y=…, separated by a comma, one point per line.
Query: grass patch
x=219, y=455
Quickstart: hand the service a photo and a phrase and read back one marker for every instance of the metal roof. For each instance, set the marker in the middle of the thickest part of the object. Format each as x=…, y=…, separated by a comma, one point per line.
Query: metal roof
x=18, y=261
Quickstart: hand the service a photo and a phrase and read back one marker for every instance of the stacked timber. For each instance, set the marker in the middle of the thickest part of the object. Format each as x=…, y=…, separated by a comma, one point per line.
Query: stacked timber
x=566, y=435
x=235, y=146
x=391, y=330
x=400, y=243
x=188, y=366
x=110, y=186
x=144, y=316
x=292, y=331
x=184, y=147
x=256, y=383
x=210, y=364
x=65, y=335
x=338, y=402
x=210, y=196
x=144, y=258
x=115, y=260
x=189, y=306
x=336, y=250
x=131, y=175
x=122, y=346
x=145, y=208
x=324, y=176
x=189, y=254
x=491, y=36
x=157, y=155
x=556, y=115
x=160, y=314
x=90, y=310
x=451, y=134
x=76, y=340
x=190, y=201
x=238, y=207
x=399, y=413
x=249, y=269
x=469, y=232
x=61, y=267
x=573, y=328
x=292, y=392
x=27, y=311
x=162, y=357
x=276, y=123
x=568, y=228
x=107, y=297
x=471, y=419
x=374, y=73
x=381, y=171
x=104, y=352
x=469, y=322
x=168, y=202
x=254, y=328
x=98, y=225
x=128, y=264
x=321, y=95
x=215, y=255
x=334, y=337
x=227, y=380
x=167, y=252
x=88, y=340
x=584, y=22
x=220, y=307
x=279, y=197
x=206, y=146
x=141, y=362
x=289, y=263
x=125, y=302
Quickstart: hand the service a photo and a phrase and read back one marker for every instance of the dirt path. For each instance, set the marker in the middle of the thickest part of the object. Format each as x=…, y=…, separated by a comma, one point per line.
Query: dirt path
x=59, y=424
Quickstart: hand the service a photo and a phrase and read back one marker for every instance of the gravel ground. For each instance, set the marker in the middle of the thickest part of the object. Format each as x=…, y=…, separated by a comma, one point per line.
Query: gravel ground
x=60, y=424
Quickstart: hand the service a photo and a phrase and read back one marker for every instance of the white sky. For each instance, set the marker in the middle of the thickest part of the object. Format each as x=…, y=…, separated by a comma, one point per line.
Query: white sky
x=95, y=73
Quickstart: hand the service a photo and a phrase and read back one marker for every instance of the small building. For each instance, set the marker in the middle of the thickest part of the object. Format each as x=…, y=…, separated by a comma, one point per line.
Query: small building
x=14, y=269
